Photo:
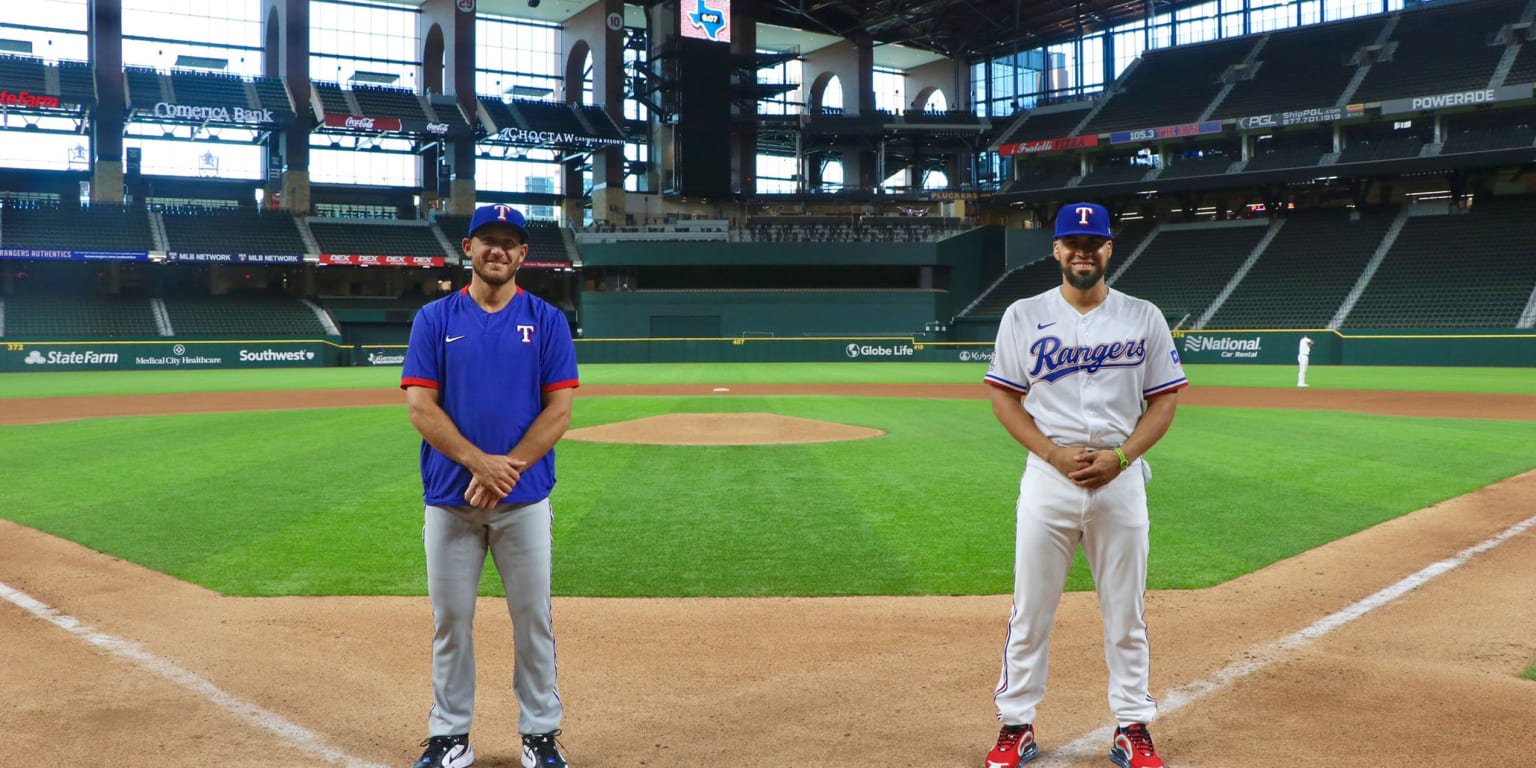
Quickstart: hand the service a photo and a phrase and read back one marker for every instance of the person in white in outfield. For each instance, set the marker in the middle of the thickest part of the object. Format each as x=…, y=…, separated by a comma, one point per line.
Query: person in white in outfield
x=1085, y=378
x=1303, y=354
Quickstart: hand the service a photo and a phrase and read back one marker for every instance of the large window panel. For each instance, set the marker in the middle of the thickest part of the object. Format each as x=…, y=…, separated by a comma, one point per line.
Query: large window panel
x=207, y=159
x=368, y=167
x=54, y=28
x=44, y=151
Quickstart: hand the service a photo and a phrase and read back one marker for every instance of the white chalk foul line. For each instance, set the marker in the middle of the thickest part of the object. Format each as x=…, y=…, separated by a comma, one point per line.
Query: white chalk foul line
x=295, y=735
x=1097, y=742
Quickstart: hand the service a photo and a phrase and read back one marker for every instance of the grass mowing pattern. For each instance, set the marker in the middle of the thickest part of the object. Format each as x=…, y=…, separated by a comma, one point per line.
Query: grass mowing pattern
x=67, y=384
x=328, y=502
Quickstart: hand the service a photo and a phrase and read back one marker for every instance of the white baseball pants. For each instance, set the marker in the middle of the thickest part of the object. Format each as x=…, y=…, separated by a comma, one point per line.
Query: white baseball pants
x=1110, y=522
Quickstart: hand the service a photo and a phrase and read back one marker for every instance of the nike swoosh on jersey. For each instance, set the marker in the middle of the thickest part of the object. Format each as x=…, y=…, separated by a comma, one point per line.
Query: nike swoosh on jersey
x=452, y=339
x=1043, y=326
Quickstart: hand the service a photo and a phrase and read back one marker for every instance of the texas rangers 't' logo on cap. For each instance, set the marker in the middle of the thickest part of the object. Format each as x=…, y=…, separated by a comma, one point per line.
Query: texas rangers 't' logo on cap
x=1083, y=219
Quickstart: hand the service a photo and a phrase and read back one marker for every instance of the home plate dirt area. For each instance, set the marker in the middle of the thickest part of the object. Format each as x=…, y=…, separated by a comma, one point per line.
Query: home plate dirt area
x=1400, y=645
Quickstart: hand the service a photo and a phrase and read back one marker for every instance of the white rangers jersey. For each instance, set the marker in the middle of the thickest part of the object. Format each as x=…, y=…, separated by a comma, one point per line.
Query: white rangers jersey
x=1085, y=375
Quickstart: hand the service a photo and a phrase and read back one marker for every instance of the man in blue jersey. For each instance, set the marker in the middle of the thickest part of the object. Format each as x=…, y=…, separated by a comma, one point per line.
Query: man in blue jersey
x=489, y=377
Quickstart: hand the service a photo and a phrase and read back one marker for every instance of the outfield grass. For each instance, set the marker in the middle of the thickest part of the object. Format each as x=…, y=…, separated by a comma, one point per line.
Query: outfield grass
x=1529, y=673
x=1488, y=380
x=328, y=502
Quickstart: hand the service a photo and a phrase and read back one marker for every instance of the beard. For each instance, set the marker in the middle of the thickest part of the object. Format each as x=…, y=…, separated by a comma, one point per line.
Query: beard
x=493, y=280
x=1081, y=282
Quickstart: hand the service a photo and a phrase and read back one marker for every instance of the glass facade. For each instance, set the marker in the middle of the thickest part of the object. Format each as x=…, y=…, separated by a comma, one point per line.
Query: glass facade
x=1078, y=68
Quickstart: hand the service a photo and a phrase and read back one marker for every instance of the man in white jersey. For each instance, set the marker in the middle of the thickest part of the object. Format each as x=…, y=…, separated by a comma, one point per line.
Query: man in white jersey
x=1303, y=355
x=1085, y=378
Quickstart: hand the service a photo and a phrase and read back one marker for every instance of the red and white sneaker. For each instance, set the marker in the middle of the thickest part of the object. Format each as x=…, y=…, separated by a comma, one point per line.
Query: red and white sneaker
x=1132, y=748
x=1015, y=747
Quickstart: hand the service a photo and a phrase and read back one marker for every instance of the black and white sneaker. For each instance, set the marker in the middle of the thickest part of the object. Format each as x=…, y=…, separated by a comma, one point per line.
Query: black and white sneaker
x=541, y=751
x=446, y=752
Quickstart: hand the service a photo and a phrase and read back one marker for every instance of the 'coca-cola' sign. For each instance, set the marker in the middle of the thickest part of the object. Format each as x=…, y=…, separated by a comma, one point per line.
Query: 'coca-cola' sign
x=362, y=123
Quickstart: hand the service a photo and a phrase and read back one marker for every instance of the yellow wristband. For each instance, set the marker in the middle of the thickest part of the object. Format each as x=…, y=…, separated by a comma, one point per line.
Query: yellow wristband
x=1124, y=462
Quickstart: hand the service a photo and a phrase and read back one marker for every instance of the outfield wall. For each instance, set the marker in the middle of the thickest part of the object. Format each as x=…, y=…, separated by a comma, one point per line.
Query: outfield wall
x=1272, y=347
x=162, y=354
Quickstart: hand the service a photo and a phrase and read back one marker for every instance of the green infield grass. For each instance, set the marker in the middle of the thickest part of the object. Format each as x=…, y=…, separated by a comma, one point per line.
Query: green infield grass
x=96, y=383
x=1529, y=673
x=328, y=501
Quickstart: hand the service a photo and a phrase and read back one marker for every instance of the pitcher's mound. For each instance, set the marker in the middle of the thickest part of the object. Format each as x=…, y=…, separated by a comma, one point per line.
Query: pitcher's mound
x=721, y=429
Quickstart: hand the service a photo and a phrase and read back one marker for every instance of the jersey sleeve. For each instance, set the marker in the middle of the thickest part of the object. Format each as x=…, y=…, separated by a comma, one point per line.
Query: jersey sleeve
x=559, y=354
x=1165, y=372
x=1007, y=370
x=421, y=354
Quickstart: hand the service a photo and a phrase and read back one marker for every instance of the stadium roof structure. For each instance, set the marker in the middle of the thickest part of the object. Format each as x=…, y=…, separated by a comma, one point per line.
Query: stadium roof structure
x=965, y=30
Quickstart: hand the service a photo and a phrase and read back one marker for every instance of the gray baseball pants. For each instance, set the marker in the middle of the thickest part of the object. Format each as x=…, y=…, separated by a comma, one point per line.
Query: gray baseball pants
x=518, y=538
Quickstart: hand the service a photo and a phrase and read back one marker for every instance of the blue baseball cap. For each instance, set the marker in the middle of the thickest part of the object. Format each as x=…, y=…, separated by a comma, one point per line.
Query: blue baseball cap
x=1083, y=219
x=499, y=214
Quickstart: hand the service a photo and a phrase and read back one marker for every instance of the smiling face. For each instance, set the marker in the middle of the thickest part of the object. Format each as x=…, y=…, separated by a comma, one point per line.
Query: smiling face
x=496, y=251
x=1083, y=259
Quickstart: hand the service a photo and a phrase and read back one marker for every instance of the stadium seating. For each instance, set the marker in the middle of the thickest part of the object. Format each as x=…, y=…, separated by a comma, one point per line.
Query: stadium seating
x=76, y=83
x=100, y=227
x=388, y=102
x=1050, y=125
x=272, y=95
x=208, y=89
x=45, y=314
x=1471, y=270
x=347, y=237
x=545, y=116
x=1038, y=276
x=241, y=315
x=1291, y=157
x=1170, y=86
x=1373, y=149
x=1482, y=139
x=231, y=231
x=1210, y=165
x=23, y=73
x=1429, y=58
x=1183, y=269
x=1114, y=172
x=1303, y=276
x=332, y=100
x=1301, y=69
x=145, y=88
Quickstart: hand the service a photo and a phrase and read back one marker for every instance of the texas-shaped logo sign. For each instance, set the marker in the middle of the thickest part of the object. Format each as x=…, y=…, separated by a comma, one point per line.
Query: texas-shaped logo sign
x=712, y=22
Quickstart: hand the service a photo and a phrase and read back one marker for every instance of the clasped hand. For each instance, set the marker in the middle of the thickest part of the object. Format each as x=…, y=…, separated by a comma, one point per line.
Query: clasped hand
x=494, y=476
x=1085, y=466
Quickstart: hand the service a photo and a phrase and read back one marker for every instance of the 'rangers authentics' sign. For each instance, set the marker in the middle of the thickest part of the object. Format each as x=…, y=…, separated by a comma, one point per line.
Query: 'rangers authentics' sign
x=1048, y=145
x=1166, y=132
x=362, y=123
x=238, y=115
x=27, y=100
x=1457, y=99
x=1300, y=117
x=363, y=260
x=50, y=254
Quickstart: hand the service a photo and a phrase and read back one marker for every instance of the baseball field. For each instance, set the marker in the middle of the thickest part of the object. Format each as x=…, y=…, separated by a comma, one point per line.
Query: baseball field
x=225, y=568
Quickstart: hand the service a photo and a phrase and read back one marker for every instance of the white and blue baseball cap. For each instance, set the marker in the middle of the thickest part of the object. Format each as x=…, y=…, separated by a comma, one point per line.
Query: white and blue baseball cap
x=1083, y=219
x=498, y=214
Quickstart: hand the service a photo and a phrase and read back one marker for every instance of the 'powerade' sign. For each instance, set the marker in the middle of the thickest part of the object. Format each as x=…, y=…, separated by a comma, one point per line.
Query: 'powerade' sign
x=1457, y=99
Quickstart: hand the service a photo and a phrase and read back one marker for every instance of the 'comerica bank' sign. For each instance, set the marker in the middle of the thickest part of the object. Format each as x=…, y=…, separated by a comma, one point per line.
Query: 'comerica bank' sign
x=167, y=111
